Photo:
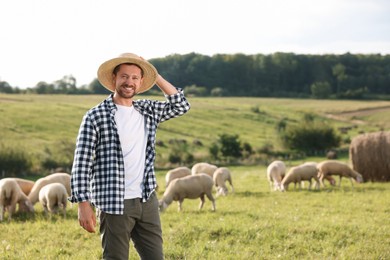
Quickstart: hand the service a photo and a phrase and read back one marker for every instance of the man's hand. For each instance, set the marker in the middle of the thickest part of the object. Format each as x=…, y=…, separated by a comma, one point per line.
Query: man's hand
x=87, y=218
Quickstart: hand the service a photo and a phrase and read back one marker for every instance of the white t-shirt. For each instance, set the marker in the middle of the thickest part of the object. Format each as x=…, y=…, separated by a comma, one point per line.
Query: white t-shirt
x=132, y=135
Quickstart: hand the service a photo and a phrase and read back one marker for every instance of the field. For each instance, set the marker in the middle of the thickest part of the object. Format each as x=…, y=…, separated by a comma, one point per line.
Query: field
x=42, y=125
x=252, y=223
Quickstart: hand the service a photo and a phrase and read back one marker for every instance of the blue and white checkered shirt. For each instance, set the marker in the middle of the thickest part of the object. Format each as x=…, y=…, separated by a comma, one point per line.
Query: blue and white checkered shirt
x=98, y=166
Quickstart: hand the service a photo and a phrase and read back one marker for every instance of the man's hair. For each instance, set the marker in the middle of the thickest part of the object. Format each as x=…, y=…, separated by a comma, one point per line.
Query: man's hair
x=116, y=69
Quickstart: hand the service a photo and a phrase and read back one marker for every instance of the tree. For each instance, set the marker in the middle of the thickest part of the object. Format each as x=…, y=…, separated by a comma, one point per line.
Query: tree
x=97, y=88
x=230, y=145
x=321, y=90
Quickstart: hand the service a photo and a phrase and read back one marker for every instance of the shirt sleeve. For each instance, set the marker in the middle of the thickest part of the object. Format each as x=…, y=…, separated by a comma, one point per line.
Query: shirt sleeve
x=174, y=106
x=83, y=161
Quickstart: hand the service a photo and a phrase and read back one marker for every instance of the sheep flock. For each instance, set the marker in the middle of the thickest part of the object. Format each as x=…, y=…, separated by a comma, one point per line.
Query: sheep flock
x=198, y=182
x=20, y=195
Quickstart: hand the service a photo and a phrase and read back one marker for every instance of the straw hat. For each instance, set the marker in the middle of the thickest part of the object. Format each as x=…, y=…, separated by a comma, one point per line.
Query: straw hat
x=105, y=71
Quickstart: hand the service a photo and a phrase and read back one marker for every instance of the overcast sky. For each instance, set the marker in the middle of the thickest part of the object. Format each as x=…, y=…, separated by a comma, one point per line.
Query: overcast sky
x=44, y=40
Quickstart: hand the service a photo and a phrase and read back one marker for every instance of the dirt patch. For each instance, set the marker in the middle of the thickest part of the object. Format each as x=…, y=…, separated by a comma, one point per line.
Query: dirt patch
x=349, y=116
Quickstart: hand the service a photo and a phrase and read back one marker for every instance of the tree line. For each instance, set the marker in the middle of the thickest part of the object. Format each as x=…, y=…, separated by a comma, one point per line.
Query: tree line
x=354, y=76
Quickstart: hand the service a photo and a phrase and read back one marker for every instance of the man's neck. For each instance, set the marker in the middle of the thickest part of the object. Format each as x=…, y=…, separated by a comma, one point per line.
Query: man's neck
x=122, y=101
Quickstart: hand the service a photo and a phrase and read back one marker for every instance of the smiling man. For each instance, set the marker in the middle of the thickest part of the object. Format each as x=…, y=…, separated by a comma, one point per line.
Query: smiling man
x=113, y=168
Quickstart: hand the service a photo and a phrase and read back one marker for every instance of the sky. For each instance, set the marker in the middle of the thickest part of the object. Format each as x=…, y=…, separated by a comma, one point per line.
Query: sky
x=45, y=40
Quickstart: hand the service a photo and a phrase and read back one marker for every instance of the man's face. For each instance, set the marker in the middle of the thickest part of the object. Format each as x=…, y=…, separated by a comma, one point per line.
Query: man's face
x=128, y=80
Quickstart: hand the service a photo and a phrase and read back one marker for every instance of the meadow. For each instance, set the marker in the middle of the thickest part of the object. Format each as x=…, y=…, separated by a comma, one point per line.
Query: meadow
x=252, y=223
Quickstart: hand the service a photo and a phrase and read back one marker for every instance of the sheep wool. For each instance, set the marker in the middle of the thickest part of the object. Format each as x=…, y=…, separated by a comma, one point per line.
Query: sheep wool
x=178, y=172
x=204, y=167
x=221, y=175
x=275, y=173
x=10, y=195
x=53, y=197
x=189, y=187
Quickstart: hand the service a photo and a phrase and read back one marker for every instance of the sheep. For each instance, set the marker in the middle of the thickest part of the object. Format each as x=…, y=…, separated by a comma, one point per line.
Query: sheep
x=275, y=173
x=204, y=167
x=53, y=196
x=333, y=167
x=188, y=187
x=25, y=185
x=303, y=172
x=63, y=178
x=176, y=173
x=221, y=175
x=10, y=195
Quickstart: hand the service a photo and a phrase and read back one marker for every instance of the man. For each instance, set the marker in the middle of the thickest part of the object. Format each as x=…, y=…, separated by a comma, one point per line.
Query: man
x=113, y=168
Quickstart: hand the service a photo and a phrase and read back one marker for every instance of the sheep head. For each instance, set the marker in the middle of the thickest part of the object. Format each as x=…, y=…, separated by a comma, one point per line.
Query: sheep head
x=26, y=206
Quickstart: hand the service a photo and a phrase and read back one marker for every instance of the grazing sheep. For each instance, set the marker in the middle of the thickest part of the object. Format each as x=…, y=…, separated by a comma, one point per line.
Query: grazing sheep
x=53, y=196
x=332, y=167
x=189, y=187
x=204, y=167
x=275, y=173
x=25, y=185
x=10, y=195
x=221, y=175
x=63, y=178
x=303, y=172
x=176, y=173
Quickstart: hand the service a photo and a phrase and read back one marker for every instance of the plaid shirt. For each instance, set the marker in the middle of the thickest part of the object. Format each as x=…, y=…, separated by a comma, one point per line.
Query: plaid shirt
x=98, y=166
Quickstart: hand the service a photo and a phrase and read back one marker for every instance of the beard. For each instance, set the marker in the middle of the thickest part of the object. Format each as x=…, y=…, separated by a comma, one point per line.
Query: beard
x=126, y=91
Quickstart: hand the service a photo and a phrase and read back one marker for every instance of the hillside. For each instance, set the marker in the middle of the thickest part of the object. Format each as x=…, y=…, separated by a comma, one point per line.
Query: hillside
x=42, y=125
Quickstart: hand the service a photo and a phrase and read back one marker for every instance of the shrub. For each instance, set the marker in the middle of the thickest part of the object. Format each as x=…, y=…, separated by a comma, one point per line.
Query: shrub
x=310, y=137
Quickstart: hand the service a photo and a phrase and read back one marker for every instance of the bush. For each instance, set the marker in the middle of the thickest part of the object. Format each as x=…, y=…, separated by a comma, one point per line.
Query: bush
x=179, y=153
x=310, y=137
x=230, y=145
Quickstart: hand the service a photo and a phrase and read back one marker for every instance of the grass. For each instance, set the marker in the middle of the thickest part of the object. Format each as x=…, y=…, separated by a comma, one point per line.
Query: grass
x=38, y=123
x=252, y=223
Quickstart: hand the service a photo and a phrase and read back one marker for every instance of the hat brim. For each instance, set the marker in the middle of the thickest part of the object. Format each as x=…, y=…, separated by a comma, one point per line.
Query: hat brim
x=106, y=70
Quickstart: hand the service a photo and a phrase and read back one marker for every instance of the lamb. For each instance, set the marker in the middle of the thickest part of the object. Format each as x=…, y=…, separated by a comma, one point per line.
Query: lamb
x=53, y=196
x=10, y=195
x=204, y=167
x=303, y=172
x=189, y=187
x=176, y=173
x=333, y=167
x=275, y=173
x=63, y=178
x=221, y=175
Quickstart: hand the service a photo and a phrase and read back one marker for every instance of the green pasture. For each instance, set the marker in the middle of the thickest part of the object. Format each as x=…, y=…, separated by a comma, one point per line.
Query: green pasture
x=38, y=123
x=252, y=223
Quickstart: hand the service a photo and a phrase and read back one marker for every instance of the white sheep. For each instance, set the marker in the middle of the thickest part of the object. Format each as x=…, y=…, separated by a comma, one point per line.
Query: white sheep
x=221, y=175
x=63, y=178
x=189, y=187
x=203, y=167
x=178, y=172
x=10, y=195
x=53, y=197
x=25, y=185
x=333, y=167
x=275, y=173
x=303, y=172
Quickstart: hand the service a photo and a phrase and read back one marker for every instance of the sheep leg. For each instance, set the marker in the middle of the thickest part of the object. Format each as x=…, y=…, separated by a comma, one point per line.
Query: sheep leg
x=179, y=204
x=201, y=202
x=351, y=182
x=211, y=198
x=1, y=212
x=340, y=181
